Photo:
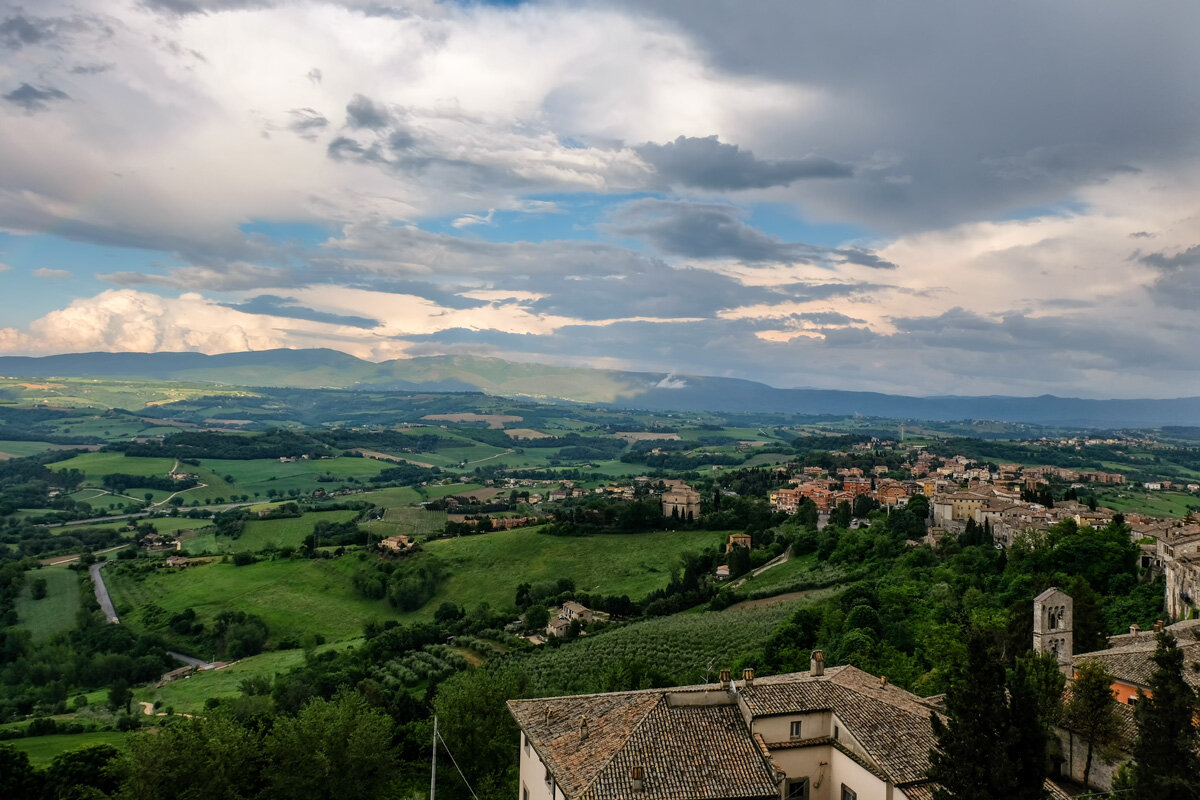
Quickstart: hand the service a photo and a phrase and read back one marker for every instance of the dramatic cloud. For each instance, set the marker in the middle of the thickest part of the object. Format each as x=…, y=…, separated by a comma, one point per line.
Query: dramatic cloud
x=797, y=193
x=707, y=164
x=711, y=231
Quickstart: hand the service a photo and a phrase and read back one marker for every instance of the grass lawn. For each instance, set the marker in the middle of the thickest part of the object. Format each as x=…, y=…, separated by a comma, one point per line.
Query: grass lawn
x=489, y=567
x=10, y=449
x=187, y=696
x=55, y=612
x=410, y=522
x=392, y=497
x=293, y=596
x=43, y=749
x=289, y=532
x=1158, y=504
x=263, y=474
x=95, y=466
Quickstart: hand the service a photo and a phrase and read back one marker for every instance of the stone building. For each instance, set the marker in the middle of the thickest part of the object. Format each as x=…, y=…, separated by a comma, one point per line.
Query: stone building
x=681, y=501
x=1053, y=626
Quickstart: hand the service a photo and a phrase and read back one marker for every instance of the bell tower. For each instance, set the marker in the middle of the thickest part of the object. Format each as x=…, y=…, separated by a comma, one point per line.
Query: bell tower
x=1053, y=626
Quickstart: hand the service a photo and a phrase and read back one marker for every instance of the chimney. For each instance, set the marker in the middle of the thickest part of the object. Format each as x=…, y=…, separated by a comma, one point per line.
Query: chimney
x=1135, y=628
x=882, y=681
x=637, y=775
x=817, y=665
x=583, y=731
x=748, y=676
x=725, y=678
x=1158, y=626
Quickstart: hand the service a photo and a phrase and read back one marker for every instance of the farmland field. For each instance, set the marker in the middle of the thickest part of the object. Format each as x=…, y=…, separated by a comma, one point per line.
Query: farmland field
x=9, y=449
x=696, y=646
x=187, y=696
x=489, y=567
x=259, y=476
x=293, y=596
x=55, y=612
x=42, y=749
x=289, y=532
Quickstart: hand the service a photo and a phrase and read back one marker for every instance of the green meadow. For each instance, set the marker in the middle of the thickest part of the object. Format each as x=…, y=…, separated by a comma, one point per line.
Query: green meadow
x=293, y=596
x=42, y=749
x=55, y=612
x=489, y=567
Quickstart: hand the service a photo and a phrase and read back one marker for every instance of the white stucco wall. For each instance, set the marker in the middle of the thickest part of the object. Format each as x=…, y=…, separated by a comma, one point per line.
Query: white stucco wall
x=533, y=776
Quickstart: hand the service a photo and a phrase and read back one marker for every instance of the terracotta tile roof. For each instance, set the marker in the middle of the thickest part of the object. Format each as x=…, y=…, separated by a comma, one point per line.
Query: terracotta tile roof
x=685, y=751
x=705, y=751
x=1130, y=662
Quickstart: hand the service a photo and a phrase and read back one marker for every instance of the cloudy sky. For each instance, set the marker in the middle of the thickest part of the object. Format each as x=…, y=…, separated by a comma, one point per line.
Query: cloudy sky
x=918, y=197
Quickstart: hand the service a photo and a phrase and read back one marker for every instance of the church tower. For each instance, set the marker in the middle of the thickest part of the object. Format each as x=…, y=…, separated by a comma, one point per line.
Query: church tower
x=1053, y=625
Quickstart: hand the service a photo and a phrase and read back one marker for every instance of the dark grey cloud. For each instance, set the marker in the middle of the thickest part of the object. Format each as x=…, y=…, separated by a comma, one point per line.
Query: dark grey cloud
x=716, y=231
x=18, y=31
x=306, y=122
x=706, y=163
x=1141, y=235
x=34, y=99
x=942, y=122
x=1178, y=282
x=274, y=306
x=362, y=112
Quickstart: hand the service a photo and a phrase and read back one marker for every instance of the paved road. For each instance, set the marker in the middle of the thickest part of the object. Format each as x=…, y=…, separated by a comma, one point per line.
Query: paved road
x=140, y=514
x=102, y=597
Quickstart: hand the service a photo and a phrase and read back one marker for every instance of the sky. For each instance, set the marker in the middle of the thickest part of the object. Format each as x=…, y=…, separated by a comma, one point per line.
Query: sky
x=924, y=198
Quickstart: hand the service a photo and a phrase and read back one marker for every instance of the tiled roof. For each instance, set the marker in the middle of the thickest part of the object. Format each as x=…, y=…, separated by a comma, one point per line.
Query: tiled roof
x=1130, y=662
x=686, y=751
x=704, y=751
x=890, y=723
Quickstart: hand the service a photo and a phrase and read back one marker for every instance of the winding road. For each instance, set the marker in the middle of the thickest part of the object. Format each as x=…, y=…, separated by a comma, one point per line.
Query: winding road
x=102, y=597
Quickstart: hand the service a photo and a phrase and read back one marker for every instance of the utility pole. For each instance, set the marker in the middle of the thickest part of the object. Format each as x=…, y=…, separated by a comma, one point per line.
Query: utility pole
x=433, y=767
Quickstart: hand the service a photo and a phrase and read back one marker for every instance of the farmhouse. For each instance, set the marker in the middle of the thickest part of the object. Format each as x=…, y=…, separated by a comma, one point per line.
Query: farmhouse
x=836, y=734
x=397, y=544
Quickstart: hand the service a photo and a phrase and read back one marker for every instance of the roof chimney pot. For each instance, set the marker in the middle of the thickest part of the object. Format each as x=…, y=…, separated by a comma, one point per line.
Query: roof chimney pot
x=725, y=678
x=748, y=676
x=637, y=776
x=583, y=728
x=817, y=665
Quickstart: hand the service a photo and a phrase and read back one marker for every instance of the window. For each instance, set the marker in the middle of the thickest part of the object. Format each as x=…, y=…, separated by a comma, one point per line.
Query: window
x=797, y=789
x=524, y=792
x=836, y=731
x=795, y=733
x=848, y=793
x=549, y=780
x=525, y=742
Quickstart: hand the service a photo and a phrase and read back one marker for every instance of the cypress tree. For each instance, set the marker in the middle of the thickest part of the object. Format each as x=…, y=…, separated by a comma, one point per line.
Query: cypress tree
x=1165, y=763
x=993, y=744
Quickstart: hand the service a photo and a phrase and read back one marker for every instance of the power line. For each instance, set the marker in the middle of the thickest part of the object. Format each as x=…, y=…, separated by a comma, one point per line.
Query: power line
x=455, y=763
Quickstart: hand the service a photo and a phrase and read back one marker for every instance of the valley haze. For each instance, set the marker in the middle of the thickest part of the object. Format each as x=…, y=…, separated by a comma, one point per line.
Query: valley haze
x=620, y=389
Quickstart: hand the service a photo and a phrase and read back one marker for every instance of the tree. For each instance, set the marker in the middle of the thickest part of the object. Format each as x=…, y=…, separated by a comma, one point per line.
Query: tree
x=1091, y=713
x=37, y=588
x=119, y=695
x=992, y=745
x=536, y=618
x=91, y=767
x=338, y=749
x=201, y=758
x=18, y=779
x=1165, y=763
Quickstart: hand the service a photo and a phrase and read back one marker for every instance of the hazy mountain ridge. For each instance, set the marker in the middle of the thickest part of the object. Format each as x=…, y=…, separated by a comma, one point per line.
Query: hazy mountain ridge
x=654, y=391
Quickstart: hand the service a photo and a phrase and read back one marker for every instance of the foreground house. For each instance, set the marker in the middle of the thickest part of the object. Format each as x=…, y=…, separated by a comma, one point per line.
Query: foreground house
x=836, y=734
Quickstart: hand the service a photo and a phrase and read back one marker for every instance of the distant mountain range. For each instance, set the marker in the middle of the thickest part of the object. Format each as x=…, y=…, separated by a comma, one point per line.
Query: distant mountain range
x=646, y=390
